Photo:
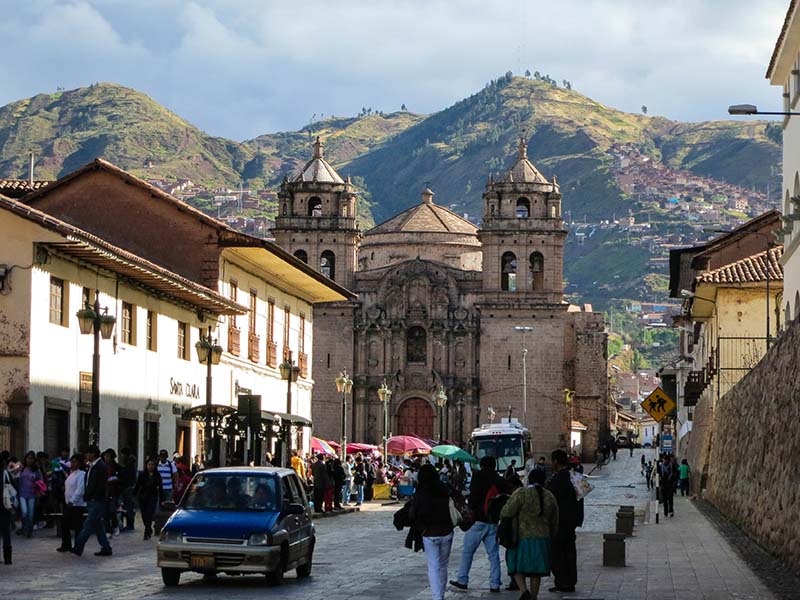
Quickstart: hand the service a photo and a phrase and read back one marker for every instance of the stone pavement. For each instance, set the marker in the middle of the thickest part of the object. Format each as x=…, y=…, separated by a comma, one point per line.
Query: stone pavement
x=361, y=556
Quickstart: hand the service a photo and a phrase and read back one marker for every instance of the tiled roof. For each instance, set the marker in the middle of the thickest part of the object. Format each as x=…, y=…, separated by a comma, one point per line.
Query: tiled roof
x=16, y=188
x=425, y=217
x=523, y=170
x=317, y=169
x=781, y=37
x=751, y=269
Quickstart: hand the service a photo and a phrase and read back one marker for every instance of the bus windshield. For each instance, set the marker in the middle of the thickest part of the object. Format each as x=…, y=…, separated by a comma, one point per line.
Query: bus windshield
x=504, y=448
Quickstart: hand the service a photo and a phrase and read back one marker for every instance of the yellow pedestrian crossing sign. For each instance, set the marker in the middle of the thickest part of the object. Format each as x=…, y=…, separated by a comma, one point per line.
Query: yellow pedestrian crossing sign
x=658, y=405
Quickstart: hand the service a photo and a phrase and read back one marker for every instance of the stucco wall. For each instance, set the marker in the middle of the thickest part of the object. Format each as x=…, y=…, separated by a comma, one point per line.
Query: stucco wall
x=753, y=463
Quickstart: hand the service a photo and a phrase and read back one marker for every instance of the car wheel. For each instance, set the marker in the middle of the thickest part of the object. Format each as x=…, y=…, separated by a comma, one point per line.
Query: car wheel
x=171, y=577
x=276, y=576
x=305, y=570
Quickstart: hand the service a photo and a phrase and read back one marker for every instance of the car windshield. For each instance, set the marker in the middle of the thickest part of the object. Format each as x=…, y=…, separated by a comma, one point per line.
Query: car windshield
x=240, y=492
x=504, y=448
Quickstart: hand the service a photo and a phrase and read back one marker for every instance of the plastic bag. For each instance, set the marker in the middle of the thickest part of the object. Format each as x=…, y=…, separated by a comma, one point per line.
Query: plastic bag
x=581, y=484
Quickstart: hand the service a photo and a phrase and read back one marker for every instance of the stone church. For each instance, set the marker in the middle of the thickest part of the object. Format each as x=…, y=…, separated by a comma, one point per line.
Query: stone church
x=446, y=304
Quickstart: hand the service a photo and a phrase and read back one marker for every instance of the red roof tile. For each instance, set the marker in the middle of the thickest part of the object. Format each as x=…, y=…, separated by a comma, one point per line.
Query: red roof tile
x=751, y=269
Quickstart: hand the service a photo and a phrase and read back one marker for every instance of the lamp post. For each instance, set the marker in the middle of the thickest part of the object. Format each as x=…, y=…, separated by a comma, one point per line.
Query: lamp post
x=95, y=319
x=568, y=395
x=344, y=385
x=385, y=396
x=289, y=372
x=752, y=109
x=440, y=398
x=209, y=353
x=524, y=330
x=460, y=406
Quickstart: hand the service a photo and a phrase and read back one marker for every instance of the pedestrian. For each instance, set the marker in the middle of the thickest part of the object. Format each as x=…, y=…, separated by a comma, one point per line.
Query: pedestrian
x=648, y=475
x=148, y=494
x=298, y=465
x=347, y=467
x=268, y=459
x=614, y=447
x=197, y=465
x=683, y=474
x=359, y=480
x=127, y=479
x=320, y=474
x=338, y=483
x=667, y=478
x=630, y=447
x=112, y=502
x=169, y=474
x=485, y=485
x=182, y=480
x=535, y=511
x=95, y=494
x=74, y=504
x=369, y=470
x=564, y=558
x=432, y=518
x=644, y=463
x=6, y=514
x=31, y=485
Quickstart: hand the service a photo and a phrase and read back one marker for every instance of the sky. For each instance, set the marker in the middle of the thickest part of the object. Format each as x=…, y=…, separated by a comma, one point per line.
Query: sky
x=241, y=68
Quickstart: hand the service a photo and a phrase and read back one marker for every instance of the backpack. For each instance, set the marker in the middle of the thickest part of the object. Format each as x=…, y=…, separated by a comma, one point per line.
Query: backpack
x=492, y=492
x=496, y=504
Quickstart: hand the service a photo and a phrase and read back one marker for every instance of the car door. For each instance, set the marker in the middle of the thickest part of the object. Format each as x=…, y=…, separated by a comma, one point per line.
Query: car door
x=291, y=523
x=305, y=518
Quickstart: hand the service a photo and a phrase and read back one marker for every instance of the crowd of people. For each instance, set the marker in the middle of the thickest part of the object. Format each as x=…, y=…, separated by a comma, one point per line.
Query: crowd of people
x=87, y=494
x=668, y=477
x=535, y=520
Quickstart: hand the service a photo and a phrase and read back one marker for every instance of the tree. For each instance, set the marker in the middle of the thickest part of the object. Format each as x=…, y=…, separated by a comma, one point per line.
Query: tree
x=527, y=73
x=403, y=107
x=644, y=109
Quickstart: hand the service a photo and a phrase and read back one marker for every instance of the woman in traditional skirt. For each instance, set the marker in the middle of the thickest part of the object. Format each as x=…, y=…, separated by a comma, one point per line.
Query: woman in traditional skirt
x=536, y=512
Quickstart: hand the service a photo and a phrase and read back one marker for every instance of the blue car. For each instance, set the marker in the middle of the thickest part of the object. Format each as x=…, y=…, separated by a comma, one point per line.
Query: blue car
x=239, y=520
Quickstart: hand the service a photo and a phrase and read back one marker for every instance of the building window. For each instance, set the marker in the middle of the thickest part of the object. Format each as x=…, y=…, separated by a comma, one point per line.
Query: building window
x=416, y=345
x=57, y=301
x=327, y=264
x=234, y=294
x=183, y=340
x=234, y=338
x=314, y=207
x=128, y=324
x=523, y=208
x=253, y=340
x=86, y=297
x=301, y=255
x=302, y=358
x=272, y=347
x=152, y=331
x=508, y=272
x=537, y=271
x=287, y=317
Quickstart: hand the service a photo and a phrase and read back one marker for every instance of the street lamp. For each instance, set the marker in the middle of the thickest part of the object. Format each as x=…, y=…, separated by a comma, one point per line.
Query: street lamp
x=95, y=320
x=752, y=109
x=440, y=398
x=289, y=373
x=344, y=385
x=524, y=330
x=209, y=352
x=385, y=396
x=460, y=405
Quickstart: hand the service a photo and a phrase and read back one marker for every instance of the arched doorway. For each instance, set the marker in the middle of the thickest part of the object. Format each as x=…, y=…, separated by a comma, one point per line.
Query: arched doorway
x=415, y=417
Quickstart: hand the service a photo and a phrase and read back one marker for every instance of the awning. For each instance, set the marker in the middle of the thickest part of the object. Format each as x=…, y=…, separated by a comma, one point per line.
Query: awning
x=198, y=413
x=294, y=419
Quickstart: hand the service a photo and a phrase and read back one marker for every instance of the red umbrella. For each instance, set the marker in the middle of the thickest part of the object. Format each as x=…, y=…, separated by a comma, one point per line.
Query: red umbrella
x=355, y=447
x=334, y=445
x=406, y=444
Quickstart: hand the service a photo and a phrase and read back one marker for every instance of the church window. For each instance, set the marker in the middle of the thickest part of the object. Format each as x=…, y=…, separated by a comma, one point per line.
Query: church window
x=314, y=207
x=285, y=209
x=416, y=345
x=302, y=255
x=523, y=208
x=327, y=264
x=491, y=209
x=796, y=304
x=553, y=212
x=537, y=271
x=508, y=272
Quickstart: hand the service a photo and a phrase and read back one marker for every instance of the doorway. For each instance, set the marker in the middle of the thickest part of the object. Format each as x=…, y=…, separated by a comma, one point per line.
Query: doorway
x=128, y=435
x=150, y=440
x=415, y=417
x=56, y=430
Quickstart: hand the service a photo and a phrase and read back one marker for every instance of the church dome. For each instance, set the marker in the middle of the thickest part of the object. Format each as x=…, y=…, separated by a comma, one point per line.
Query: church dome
x=523, y=170
x=318, y=169
x=426, y=231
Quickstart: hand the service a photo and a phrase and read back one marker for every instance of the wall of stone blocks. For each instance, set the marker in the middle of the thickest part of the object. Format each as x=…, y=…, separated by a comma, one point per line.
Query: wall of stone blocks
x=753, y=473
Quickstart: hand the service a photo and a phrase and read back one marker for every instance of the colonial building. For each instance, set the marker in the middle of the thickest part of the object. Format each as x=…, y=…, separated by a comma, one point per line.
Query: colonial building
x=444, y=304
x=167, y=272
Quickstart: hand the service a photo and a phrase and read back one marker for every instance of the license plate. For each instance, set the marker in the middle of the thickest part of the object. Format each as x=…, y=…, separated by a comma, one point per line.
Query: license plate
x=201, y=561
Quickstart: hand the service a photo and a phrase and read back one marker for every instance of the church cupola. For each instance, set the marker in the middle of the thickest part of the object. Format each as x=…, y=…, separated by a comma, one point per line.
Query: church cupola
x=316, y=218
x=523, y=234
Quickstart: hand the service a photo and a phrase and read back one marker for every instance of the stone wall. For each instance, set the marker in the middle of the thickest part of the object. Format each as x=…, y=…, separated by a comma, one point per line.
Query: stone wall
x=753, y=474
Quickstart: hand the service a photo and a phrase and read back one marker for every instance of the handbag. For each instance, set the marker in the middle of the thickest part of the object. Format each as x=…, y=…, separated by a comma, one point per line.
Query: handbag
x=581, y=484
x=9, y=493
x=39, y=488
x=467, y=519
x=455, y=516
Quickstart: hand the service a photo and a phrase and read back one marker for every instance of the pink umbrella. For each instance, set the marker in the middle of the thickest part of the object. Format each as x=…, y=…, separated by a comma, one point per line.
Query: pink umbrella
x=355, y=447
x=406, y=444
x=319, y=446
x=334, y=445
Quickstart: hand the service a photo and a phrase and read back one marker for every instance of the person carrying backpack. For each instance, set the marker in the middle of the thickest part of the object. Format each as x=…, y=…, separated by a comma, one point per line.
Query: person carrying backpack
x=486, y=484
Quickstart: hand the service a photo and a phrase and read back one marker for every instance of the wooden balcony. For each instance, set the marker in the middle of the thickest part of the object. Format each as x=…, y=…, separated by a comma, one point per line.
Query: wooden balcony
x=252, y=347
x=303, y=364
x=234, y=340
x=272, y=354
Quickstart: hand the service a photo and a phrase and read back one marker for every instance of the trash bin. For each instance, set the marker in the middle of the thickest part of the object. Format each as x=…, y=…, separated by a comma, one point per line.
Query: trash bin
x=381, y=491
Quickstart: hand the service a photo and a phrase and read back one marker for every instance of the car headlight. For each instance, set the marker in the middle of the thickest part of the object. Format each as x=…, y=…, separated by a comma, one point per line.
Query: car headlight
x=170, y=536
x=258, y=539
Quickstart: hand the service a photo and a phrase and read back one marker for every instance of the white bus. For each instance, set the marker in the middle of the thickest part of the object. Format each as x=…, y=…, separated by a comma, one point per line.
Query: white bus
x=507, y=440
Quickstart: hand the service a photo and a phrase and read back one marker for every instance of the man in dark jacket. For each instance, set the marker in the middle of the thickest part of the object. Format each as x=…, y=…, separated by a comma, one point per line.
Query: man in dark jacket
x=486, y=484
x=319, y=471
x=95, y=493
x=563, y=554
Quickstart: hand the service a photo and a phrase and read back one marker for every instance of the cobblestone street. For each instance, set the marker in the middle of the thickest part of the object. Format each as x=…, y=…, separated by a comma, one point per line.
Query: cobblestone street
x=361, y=556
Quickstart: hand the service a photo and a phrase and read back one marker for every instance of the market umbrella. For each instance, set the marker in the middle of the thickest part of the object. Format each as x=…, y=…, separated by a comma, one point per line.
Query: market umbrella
x=355, y=447
x=453, y=453
x=319, y=446
x=406, y=444
x=335, y=445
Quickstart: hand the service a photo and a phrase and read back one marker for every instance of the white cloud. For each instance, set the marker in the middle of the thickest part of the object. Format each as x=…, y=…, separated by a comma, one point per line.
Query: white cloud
x=239, y=68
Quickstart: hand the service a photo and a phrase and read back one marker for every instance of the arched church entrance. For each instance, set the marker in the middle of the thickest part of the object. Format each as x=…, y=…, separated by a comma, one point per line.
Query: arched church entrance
x=415, y=417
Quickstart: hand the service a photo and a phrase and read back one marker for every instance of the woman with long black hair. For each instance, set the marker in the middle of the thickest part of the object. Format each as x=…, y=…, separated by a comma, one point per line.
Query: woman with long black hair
x=29, y=489
x=5, y=514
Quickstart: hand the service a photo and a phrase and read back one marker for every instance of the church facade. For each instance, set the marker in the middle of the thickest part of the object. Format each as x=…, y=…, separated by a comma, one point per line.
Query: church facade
x=445, y=305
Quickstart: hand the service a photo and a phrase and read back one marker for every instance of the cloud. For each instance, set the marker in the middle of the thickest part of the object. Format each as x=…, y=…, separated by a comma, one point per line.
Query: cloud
x=239, y=68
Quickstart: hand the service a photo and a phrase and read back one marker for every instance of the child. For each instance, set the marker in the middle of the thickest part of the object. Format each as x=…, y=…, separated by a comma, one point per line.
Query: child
x=648, y=474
